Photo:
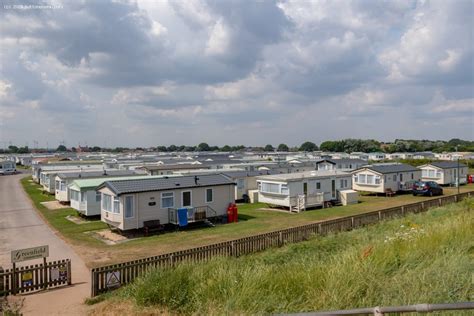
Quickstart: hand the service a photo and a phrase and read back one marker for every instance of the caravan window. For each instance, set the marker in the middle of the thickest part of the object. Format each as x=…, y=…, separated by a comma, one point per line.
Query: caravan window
x=107, y=202
x=209, y=195
x=167, y=199
x=284, y=189
x=270, y=187
x=116, y=205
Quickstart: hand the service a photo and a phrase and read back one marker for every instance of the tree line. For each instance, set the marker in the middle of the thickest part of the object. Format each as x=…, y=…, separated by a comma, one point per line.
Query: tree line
x=345, y=145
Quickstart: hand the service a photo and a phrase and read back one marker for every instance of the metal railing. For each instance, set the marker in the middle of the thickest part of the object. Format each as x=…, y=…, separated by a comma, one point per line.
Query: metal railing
x=198, y=213
x=381, y=311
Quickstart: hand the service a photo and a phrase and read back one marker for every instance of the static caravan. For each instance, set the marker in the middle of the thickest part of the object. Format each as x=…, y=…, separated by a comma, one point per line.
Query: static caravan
x=128, y=204
x=48, y=178
x=343, y=164
x=444, y=172
x=170, y=169
x=298, y=191
x=37, y=169
x=382, y=178
x=7, y=167
x=64, y=179
x=86, y=199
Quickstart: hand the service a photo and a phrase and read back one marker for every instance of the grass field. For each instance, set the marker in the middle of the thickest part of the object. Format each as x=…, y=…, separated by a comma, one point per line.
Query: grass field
x=424, y=258
x=252, y=220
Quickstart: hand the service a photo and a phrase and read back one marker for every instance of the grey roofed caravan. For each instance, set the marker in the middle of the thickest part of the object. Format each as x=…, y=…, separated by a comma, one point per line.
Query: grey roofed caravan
x=146, y=185
x=447, y=164
x=94, y=174
x=389, y=168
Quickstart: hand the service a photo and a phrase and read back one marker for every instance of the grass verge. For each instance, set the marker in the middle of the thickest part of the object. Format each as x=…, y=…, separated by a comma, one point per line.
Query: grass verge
x=423, y=258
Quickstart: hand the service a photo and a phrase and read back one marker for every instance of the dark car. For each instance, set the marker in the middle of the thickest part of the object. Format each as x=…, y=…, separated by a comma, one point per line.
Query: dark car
x=427, y=188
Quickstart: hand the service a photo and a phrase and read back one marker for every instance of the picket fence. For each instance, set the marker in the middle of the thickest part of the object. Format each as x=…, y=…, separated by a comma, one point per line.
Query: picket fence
x=35, y=277
x=109, y=277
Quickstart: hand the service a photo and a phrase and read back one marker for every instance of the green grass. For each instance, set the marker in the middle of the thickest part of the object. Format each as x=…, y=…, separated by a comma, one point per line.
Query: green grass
x=57, y=218
x=252, y=220
x=424, y=258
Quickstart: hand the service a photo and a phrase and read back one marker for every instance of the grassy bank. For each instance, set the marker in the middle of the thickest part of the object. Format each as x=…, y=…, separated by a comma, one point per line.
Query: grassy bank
x=424, y=258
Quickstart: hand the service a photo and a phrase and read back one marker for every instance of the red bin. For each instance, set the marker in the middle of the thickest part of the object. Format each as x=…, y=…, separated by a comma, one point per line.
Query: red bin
x=236, y=213
x=230, y=213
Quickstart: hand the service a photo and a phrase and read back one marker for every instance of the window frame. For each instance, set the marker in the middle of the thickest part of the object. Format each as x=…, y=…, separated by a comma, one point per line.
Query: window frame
x=125, y=206
x=168, y=197
x=190, y=198
x=206, y=196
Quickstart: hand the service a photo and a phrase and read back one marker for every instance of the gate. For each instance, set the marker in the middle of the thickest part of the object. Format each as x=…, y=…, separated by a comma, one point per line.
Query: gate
x=35, y=277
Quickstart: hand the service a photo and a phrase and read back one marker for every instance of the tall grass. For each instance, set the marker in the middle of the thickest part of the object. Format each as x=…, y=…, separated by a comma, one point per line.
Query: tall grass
x=425, y=258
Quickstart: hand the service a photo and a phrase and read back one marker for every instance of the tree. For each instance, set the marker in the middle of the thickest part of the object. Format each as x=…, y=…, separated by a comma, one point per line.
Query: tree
x=96, y=149
x=203, y=147
x=308, y=146
x=269, y=148
x=226, y=148
x=12, y=149
x=162, y=148
x=23, y=150
x=61, y=148
x=283, y=147
x=172, y=148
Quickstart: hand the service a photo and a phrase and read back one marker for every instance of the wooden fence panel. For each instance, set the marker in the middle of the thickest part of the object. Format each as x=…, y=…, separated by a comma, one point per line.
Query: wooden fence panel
x=247, y=245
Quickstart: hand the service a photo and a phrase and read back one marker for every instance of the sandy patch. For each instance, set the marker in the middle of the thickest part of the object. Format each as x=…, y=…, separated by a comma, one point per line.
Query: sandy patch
x=109, y=237
x=53, y=205
x=76, y=220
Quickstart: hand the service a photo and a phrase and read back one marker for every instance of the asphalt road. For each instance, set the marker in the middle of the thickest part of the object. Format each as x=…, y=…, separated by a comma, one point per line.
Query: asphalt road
x=21, y=227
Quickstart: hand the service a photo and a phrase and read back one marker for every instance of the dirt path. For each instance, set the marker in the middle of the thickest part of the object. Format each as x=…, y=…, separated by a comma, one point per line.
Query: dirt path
x=22, y=227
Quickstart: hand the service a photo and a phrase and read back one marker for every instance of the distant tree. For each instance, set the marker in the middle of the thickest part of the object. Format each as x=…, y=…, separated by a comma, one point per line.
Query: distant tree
x=61, y=148
x=226, y=148
x=172, y=148
x=308, y=146
x=269, y=148
x=12, y=149
x=73, y=149
x=283, y=147
x=162, y=148
x=203, y=147
x=181, y=148
x=190, y=148
x=96, y=149
x=23, y=150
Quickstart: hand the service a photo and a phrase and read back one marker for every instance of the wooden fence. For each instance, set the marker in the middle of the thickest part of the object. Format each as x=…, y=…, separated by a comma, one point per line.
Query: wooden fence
x=35, y=277
x=112, y=276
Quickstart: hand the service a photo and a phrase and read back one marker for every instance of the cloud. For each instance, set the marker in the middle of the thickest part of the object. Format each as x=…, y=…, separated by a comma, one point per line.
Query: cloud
x=236, y=71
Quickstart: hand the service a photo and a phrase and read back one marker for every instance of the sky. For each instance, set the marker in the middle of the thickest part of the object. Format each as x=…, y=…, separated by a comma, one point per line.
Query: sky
x=149, y=73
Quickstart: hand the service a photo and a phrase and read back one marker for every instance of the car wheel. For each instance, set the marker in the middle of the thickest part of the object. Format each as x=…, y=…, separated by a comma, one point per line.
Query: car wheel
x=414, y=194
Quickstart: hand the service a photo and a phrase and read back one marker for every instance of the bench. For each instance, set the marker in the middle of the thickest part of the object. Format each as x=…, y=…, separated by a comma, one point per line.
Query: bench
x=389, y=193
x=152, y=226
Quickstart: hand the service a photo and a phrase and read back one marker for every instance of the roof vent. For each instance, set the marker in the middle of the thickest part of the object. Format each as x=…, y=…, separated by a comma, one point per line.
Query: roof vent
x=177, y=184
x=196, y=180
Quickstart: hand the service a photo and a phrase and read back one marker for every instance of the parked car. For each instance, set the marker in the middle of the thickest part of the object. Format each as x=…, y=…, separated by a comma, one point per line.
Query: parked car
x=427, y=188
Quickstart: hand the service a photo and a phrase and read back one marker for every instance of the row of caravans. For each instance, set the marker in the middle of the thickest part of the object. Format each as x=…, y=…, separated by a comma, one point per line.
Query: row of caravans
x=298, y=191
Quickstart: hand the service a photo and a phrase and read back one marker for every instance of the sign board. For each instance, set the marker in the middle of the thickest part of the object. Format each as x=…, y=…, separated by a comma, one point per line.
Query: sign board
x=58, y=273
x=27, y=278
x=113, y=279
x=54, y=274
x=30, y=253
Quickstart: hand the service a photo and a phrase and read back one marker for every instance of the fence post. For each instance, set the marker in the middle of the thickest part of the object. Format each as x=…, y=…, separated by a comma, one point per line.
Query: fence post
x=45, y=274
x=93, y=284
x=1, y=281
x=380, y=215
x=14, y=280
x=403, y=210
x=69, y=273
x=352, y=222
x=280, y=239
x=439, y=202
x=423, y=205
